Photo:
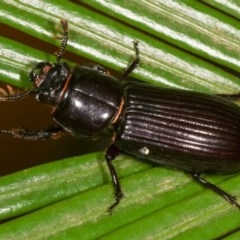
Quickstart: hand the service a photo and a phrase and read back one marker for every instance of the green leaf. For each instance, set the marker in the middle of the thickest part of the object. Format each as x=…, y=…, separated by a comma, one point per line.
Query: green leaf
x=162, y=63
x=231, y=7
x=35, y=187
x=68, y=199
x=187, y=24
x=158, y=202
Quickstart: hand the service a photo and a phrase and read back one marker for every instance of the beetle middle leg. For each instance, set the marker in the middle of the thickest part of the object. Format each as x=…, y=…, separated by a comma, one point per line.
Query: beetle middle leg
x=231, y=199
x=27, y=134
x=133, y=64
x=111, y=153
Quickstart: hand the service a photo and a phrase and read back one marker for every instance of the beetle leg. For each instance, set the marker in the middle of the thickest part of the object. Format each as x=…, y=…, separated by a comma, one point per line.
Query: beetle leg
x=231, y=199
x=23, y=133
x=98, y=68
x=111, y=153
x=231, y=97
x=133, y=64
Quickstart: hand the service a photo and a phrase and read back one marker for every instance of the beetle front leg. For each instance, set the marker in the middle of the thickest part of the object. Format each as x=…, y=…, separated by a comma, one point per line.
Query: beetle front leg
x=28, y=134
x=111, y=153
x=231, y=199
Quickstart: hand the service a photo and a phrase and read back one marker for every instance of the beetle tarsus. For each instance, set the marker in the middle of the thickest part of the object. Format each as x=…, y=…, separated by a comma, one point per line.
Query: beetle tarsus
x=111, y=153
x=28, y=134
x=228, y=197
x=233, y=200
x=118, y=197
x=133, y=64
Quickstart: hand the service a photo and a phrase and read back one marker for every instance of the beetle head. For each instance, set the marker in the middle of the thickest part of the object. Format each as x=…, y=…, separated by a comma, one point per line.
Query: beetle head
x=49, y=80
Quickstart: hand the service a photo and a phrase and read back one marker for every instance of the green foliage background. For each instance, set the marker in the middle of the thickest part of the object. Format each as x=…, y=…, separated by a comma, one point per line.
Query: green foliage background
x=184, y=44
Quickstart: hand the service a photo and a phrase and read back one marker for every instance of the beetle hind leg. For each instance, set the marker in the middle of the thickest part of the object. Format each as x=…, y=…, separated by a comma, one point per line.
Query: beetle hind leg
x=111, y=153
x=228, y=197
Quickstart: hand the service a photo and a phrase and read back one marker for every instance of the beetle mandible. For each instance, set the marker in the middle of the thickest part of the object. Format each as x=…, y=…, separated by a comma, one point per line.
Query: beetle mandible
x=194, y=132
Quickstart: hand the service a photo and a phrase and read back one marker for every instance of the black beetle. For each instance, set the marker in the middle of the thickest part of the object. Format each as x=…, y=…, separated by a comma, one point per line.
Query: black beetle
x=194, y=132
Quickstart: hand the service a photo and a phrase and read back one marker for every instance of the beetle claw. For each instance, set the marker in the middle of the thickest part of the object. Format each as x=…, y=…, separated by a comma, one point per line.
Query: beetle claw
x=118, y=197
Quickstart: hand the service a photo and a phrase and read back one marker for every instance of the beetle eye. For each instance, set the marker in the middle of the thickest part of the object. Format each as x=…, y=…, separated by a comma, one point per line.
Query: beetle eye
x=36, y=72
x=39, y=72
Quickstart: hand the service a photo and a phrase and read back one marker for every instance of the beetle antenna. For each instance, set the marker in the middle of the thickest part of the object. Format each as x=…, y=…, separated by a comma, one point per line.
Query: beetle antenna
x=63, y=38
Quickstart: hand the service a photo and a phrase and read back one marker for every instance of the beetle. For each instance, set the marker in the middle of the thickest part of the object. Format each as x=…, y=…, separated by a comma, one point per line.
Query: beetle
x=194, y=132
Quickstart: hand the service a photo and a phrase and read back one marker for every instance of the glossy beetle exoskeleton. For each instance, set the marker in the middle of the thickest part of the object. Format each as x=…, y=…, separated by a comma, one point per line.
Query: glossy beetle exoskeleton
x=194, y=132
